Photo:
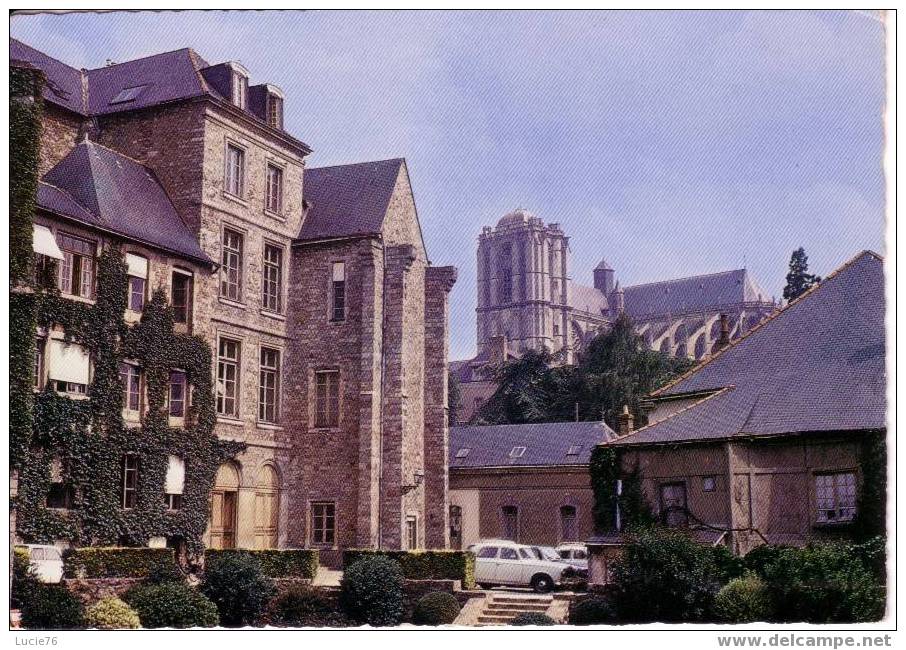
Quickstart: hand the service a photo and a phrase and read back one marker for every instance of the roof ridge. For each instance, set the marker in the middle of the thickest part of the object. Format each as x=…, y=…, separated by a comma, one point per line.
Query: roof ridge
x=719, y=391
x=365, y=162
x=769, y=319
x=115, y=152
x=686, y=278
x=140, y=58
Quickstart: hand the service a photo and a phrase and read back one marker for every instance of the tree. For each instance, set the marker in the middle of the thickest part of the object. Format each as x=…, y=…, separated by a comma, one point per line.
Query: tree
x=798, y=280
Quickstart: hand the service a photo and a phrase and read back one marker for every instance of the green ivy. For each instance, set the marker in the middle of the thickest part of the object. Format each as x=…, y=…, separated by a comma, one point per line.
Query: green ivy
x=606, y=468
x=91, y=438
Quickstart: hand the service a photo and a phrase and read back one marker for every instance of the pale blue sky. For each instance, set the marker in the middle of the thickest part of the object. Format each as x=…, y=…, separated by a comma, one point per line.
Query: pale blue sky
x=671, y=143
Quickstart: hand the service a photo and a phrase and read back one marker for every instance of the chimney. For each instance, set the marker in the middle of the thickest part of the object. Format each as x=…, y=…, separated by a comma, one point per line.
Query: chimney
x=497, y=350
x=625, y=421
x=724, y=339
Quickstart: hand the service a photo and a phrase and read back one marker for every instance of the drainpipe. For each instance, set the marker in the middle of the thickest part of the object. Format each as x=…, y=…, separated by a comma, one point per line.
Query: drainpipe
x=380, y=503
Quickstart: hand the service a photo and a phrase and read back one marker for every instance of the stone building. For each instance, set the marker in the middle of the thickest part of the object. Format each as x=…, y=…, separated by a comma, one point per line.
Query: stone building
x=525, y=482
x=327, y=321
x=528, y=300
x=763, y=442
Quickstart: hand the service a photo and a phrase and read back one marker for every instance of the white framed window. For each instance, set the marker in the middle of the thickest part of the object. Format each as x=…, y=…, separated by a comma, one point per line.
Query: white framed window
x=338, y=291
x=835, y=495
x=181, y=295
x=234, y=183
x=411, y=532
x=177, y=394
x=68, y=367
x=77, y=269
x=273, y=199
x=231, y=265
x=228, y=359
x=323, y=523
x=131, y=376
x=240, y=88
x=129, y=480
x=272, y=281
x=137, y=270
x=269, y=386
x=327, y=399
x=175, y=482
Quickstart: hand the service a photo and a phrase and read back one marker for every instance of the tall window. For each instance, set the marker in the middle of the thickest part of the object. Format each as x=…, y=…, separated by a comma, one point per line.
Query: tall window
x=272, y=286
x=131, y=377
x=39, y=364
x=269, y=386
x=138, y=277
x=274, y=194
x=338, y=291
x=228, y=377
x=568, y=524
x=240, y=89
x=77, y=268
x=323, y=523
x=177, y=394
x=174, y=483
x=231, y=265
x=836, y=496
x=275, y=111
x=510, y=516
x=129, y=480
x=411, y=532
x=327, y=399
x=61, y=494
x=181, y=299
x=235, y=170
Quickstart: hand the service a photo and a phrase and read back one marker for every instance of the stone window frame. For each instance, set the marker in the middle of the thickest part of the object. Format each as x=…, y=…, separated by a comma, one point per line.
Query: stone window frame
x=411, y=518
x=145, y=282
x=332, y=291
x=280, y=166
x=322, y=543
x=278, y=404
x=281, y=279
x=87, y=275
x=231, y=143
x=243, y=255
x=190, y=293
x=236, y=415
x=335, y=370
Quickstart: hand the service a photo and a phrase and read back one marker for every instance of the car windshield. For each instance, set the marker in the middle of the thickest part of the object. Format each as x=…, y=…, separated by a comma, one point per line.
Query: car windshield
x=546, y=553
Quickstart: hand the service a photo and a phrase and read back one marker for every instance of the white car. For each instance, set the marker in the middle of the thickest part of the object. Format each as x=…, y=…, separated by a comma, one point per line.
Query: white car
x=46, y=561
x=502, y=562
x=574, y=554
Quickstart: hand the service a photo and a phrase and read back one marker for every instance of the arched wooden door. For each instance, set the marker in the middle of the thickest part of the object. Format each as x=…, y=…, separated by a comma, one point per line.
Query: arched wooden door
x=223, y=506
x=267, y=508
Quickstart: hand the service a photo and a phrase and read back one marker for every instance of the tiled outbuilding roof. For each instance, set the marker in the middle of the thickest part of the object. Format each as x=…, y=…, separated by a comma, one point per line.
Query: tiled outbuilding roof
x=816, y=366
x=348, y=200
x=101, y=188
x=526, y=445
x=692, y=294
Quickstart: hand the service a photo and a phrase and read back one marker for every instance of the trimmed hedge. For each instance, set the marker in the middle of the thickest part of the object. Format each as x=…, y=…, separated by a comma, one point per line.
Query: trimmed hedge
x=424, y=565
x=276, y=563
x=172, y=605
x=116, y=562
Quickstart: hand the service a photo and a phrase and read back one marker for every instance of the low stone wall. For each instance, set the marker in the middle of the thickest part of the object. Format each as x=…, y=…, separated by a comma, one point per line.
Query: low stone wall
x=91, y=590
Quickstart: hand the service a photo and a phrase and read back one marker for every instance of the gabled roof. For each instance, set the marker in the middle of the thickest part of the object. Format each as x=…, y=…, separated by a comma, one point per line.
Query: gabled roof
x=816, y=366
x=101, y=188
x=348, y=200
x=545, y=444
x=64, y=83
x=692, y=294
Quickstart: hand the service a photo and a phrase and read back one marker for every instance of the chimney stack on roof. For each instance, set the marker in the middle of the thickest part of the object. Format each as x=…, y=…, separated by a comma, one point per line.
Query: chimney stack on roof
x=625, y=421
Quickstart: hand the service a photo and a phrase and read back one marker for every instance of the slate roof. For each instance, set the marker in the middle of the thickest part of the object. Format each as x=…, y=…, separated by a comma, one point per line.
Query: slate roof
x=64, y=83
x=587, y=299
x=699, y=292
x=101, y=188
x=545, y=444
x=816, y=366
x=348, y=200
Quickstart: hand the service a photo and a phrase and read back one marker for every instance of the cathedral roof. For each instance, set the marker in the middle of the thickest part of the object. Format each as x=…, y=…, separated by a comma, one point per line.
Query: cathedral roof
x=694, y=293
x=541, y=444
x=101, y=188
x=587, y=299
x=348, y=200
x=817, y=365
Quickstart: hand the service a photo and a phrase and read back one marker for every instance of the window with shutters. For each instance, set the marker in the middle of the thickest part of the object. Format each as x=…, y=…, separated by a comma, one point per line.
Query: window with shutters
x=272, y=285
x=231, y=265
x=327, y=399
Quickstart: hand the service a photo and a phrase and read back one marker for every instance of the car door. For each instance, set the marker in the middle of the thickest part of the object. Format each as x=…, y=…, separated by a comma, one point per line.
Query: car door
x=528, y=562
x=509, y=567
x=486, y=564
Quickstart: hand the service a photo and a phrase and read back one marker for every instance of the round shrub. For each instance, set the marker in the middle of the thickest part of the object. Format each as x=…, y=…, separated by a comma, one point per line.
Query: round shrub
x=744, y=600
x=171, y=604
x=437, y=608
x=372, y=591
x=301, y=607
x=236, y=584
x=51, y=607
x=112, y=614
x=592, y=611
x=533, y=618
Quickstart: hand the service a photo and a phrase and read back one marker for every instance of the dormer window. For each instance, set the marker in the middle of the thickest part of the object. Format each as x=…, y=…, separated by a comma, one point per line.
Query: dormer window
x=240, y=87
x=274, y=111
x=517, y=452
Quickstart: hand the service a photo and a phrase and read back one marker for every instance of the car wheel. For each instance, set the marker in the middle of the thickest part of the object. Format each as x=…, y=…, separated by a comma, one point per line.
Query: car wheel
x=542, y=583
